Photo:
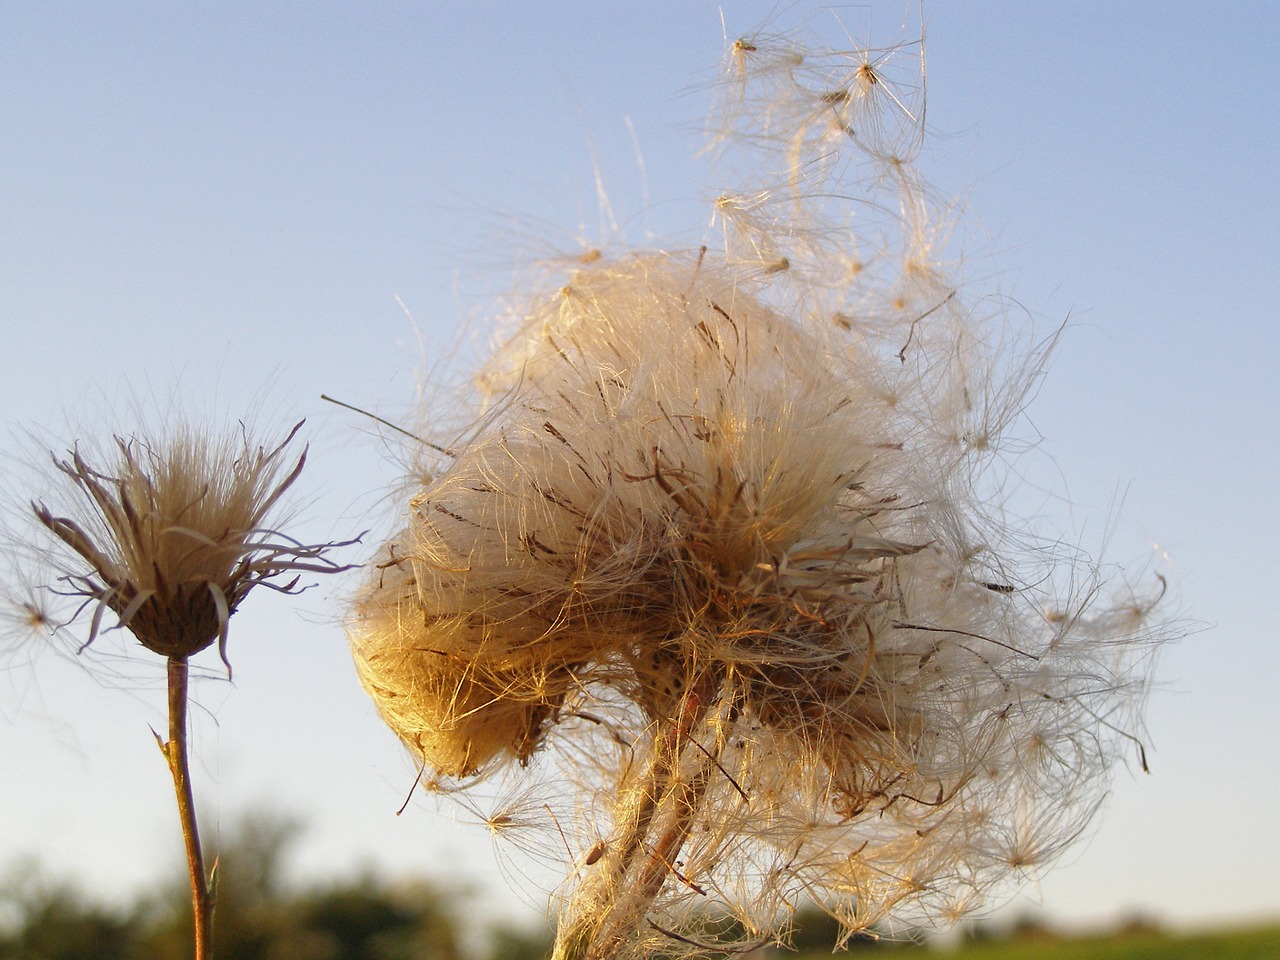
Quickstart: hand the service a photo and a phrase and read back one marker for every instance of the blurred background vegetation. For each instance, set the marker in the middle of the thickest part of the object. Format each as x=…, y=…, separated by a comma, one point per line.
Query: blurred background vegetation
x=264, y=915
x=260, y=915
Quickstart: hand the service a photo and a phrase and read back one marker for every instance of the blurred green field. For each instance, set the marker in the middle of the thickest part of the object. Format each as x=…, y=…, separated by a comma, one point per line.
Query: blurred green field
x=1253, y=944
x=1257, y=943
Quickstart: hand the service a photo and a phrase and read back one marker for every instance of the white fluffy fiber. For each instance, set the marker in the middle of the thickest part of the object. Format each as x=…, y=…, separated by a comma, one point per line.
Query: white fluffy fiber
x=717, y=557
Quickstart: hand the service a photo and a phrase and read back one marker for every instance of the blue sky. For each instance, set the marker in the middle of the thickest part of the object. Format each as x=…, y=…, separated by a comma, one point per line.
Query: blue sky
x=231, y=198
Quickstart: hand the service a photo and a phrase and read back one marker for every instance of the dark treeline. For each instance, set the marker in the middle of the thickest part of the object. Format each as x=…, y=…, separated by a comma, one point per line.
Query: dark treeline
x=260, y=915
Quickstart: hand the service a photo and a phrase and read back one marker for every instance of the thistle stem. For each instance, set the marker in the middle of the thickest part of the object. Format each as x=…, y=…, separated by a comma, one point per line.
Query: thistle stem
x=175, y=752
x=629, y=878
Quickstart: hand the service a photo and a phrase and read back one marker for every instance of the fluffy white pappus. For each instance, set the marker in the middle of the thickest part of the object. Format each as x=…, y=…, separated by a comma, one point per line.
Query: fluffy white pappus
x=719, y=555
x=456, y=711
x=701, y=505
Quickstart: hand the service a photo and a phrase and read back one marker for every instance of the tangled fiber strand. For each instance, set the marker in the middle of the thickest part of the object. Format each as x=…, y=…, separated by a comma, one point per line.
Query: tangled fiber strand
x=716, y=554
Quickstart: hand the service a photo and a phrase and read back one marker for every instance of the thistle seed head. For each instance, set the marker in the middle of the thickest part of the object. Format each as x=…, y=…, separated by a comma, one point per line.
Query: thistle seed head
x=724, y=552
x=171, y=532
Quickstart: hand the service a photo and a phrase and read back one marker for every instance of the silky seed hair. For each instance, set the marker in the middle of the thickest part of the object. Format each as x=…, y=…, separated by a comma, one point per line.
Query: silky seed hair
x=724, y=559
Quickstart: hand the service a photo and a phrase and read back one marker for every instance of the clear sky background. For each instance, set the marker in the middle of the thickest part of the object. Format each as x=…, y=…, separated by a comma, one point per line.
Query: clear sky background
x=230, y=197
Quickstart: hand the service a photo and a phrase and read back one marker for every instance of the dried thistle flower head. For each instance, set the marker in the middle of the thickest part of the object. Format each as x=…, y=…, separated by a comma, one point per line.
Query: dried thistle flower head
x=720, y=553
x=171, y=532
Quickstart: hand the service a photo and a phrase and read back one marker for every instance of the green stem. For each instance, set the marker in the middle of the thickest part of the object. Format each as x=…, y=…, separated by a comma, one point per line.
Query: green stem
x=175, y=752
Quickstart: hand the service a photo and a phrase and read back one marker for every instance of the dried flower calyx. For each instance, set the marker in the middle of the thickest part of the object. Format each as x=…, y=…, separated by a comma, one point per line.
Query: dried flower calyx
x=173, y=533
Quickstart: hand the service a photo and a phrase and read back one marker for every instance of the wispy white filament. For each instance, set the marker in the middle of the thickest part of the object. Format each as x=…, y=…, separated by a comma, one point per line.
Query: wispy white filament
x=719, y=556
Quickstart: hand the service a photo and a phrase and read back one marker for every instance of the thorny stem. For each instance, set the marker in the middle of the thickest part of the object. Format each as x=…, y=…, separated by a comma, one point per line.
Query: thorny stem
x=631, y=876
x=175, y=752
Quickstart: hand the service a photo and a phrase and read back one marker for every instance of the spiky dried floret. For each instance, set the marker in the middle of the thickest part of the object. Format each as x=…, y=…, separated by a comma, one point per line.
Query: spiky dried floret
x=171, y=532
x=719, y=553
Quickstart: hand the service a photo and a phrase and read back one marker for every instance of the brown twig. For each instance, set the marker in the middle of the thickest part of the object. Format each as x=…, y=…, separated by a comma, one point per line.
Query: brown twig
x=175, y=753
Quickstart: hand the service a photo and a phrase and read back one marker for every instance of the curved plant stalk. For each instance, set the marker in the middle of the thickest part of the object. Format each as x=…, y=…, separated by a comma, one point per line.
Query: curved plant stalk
x=631, y=875
x=175, y=753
